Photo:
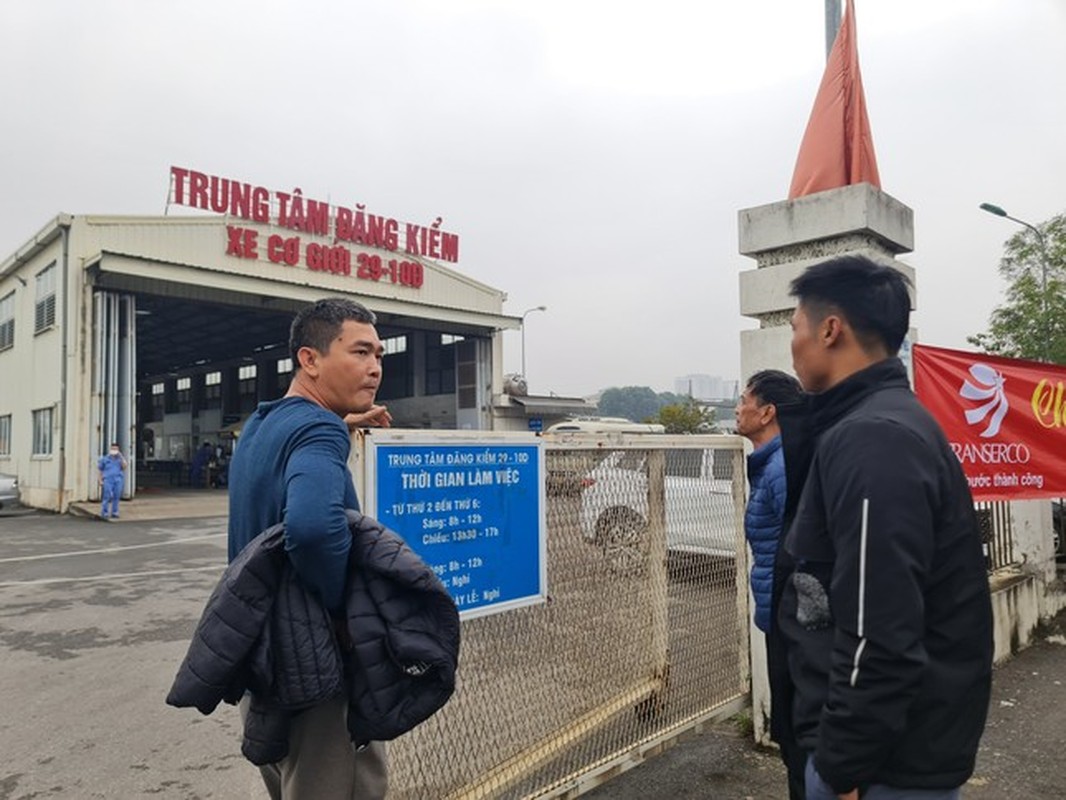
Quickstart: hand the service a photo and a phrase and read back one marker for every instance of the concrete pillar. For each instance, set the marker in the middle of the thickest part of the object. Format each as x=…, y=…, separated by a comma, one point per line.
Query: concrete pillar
x=1033, y=537
x=784, y=239
x=787, y=237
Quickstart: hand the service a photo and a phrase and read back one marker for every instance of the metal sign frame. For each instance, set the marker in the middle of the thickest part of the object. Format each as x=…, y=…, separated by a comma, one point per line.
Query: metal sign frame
x=471, y=504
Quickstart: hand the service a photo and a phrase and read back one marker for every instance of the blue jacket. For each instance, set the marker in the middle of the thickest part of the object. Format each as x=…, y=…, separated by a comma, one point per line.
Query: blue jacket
x=762, y=522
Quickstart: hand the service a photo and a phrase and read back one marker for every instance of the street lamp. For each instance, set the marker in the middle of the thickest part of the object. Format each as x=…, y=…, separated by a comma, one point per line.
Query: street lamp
x=999, y=212
x=524, y=313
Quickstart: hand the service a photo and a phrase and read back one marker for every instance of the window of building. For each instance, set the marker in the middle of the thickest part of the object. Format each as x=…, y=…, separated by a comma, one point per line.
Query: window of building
x=158, y=399
x=394, y=345
x=7, y=321
x=184, y=393
x=440, y=365
x=246, y=383
x=284, y=375
x=466, y=382
x=5, y=435
x=44, y=313
x=213, y=389
x=170, y=397
x=396, y=369
x=42, y=432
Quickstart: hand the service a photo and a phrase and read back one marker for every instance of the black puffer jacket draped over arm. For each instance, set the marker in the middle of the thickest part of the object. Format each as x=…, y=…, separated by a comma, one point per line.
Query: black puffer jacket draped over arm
x=262, y=631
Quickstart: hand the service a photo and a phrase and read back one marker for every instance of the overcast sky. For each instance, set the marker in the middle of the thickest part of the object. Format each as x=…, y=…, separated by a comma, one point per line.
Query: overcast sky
x=592, y=156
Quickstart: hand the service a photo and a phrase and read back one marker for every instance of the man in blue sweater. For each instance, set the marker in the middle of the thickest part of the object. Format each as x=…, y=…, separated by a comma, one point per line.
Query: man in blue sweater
x=757, y=420
x=291, y=465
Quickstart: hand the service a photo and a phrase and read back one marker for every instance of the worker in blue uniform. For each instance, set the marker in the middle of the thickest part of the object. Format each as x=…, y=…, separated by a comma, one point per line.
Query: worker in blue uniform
x=112, y=469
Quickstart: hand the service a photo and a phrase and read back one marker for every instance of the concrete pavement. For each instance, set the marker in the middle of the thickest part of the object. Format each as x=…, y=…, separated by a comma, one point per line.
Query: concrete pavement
x=1021, y=753
x=172, y=503
x=95, y=617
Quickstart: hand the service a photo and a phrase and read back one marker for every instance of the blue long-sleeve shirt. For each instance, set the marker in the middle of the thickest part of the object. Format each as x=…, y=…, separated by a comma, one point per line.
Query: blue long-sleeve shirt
x=291, y=466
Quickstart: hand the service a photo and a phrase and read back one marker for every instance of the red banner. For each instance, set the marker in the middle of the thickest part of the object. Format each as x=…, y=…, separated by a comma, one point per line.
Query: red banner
x=1005, y=419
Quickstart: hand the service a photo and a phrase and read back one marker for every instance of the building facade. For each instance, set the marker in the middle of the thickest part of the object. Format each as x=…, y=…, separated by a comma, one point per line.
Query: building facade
x=163, y=333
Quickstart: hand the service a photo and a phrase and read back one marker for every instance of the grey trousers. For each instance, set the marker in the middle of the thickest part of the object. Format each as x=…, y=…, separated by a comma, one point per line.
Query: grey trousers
x=322, y=763
x=818, y=789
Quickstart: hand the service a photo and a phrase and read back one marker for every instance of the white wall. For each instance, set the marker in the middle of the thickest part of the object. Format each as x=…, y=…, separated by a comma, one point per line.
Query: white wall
x=31, y=378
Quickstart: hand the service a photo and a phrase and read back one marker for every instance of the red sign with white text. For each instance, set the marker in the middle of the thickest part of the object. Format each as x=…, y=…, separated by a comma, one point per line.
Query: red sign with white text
x=1005, y=419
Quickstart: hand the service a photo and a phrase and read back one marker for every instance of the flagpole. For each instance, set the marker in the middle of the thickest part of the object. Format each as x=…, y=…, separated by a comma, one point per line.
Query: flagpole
x=832, y=24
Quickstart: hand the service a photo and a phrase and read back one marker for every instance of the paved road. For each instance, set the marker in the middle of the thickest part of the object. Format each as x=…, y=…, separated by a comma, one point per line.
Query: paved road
x=94, y=619
x=1020, y=757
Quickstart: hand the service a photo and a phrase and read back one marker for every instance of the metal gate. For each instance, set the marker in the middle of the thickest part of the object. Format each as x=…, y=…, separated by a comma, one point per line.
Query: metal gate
x=997, y=540
x=114, y=383
x=643, y=637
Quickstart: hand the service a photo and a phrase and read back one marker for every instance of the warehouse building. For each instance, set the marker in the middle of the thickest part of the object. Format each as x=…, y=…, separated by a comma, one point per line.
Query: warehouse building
x=163, y=333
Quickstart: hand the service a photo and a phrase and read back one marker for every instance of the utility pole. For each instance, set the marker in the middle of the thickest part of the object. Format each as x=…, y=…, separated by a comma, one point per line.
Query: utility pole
x=1045, y=320
x=832, y=24
x=524, y=313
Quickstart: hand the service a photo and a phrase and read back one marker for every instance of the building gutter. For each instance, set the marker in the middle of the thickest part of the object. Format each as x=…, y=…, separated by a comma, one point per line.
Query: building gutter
x=64, y=222
x=41, y=240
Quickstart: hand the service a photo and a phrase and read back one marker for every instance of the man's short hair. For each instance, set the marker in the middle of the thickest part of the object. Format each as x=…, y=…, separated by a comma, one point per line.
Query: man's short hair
x=775, y=386
x=871, y=296
x=320, y=323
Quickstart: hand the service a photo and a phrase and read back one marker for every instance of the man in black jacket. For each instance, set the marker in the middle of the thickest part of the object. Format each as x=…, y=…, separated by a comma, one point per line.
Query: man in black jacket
x=886, y=613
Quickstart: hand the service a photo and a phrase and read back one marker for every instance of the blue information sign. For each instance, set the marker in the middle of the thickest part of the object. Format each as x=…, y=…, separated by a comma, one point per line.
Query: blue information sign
x=474, y=512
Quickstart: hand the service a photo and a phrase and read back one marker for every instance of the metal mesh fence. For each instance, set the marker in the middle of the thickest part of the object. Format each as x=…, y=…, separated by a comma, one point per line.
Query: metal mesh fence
x=644, y=631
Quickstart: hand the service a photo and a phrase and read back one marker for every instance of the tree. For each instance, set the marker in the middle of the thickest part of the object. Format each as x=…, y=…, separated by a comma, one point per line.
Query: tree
x=636, y=403
x=687, y=417
x=642, y=404
x=672, y=399
x=1023, y=326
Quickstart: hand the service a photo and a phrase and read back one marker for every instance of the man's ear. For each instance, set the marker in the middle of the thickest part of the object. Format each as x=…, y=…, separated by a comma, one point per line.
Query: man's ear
x=308, y=358
x=831, y=330
x=769, y=413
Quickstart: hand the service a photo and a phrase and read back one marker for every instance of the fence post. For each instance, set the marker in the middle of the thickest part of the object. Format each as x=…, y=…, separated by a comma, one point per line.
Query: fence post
x=743, y=611
x=657, y=574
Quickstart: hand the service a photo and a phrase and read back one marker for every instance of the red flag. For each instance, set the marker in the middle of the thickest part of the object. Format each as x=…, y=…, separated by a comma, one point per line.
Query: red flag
x=837, y=148
x=1004, y=418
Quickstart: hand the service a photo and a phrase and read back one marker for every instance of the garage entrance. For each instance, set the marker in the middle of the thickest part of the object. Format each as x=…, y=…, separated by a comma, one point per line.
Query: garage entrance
x=174, y=378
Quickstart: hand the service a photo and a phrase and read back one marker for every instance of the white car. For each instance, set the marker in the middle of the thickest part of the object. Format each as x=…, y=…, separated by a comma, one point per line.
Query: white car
x=605, y=425
x=9, y=490
x=701, y=513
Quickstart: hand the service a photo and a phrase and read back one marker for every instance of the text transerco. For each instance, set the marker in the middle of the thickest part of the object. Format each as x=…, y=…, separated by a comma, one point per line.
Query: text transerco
x=991, y=453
